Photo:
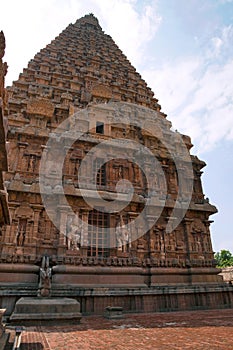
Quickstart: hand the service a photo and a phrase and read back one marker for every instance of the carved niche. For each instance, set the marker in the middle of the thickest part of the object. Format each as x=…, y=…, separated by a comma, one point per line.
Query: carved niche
x=101, y=91
x=40, y=106
x=47, y=232
x=198, y=231
x=24, y=214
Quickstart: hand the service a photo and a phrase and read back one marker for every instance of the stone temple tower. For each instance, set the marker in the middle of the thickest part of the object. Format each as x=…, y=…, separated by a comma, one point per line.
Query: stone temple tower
x=76, y=94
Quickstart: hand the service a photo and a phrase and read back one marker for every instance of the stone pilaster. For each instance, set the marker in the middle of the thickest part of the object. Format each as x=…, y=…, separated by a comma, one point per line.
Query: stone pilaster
x=84, y=238
x=22, y=146
x=187, y=231
x=37, y=210
x=62, y=231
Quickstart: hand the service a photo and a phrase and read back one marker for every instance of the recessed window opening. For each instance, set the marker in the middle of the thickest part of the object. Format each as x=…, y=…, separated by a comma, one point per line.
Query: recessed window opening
x=99, y=128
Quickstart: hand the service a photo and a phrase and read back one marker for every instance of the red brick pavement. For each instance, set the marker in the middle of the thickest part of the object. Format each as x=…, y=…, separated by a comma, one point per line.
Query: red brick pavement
x=208, y=330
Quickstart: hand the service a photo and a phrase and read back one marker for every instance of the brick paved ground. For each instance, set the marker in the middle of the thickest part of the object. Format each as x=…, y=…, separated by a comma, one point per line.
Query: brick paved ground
x=207, y=330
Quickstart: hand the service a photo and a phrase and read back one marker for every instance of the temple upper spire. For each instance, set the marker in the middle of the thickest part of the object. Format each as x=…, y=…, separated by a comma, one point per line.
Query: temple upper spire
x=88, y=19
x=85, y=63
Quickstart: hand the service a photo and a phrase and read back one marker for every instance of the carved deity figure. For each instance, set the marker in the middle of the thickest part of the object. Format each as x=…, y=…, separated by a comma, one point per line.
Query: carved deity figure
x=197, y=243
x=31, y=163
x=136, y=173
x=44, y=289
x=120, y=172
x=122, y=235
x=21, y=232
x=159, y=238
x=198, y=230
x=162, y=246
x=157, y=242
x=74, y=233
x=172, y=241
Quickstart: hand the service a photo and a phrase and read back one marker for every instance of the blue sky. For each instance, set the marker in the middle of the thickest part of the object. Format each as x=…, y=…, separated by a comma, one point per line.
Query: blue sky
x=182, y=48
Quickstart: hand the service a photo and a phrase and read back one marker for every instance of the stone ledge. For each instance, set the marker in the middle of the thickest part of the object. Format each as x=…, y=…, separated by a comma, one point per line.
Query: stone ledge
x=46, y=311
x=113, y=312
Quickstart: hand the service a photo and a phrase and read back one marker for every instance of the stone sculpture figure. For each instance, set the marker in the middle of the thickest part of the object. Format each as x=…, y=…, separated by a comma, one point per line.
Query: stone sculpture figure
x=74, y=232
x=122, y=235
x=44, y=289
x=21, y=234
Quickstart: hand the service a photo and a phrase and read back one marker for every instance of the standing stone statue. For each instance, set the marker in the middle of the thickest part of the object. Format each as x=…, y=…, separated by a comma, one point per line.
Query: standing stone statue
x=44, y=289
x=74, y=233
x=122, y=235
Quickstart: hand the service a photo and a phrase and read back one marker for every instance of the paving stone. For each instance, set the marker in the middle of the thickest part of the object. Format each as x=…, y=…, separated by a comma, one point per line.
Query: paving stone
x=192, y=330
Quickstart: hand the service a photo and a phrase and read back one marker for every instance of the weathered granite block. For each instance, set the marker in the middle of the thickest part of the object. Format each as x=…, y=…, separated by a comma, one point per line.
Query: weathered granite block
x=30, y=311
x=113, y=312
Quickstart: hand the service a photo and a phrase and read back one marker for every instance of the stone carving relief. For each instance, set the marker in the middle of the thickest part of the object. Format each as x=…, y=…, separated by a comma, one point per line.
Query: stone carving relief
x=66, y=98
x=197, y=231
x=47, y=232
x=31, y=162
x=200, y=231
x=171, y=241
x=24, y=216
x=21, y=232
x=158, y=241
x=198, y=227
x=101, y=90
x=179, y=239
x=74, y=230
x=155, y=242
x=44, y=289
x=200, y=243
x=40, y=107
x=85, y=96
x=122, y=235
x=142, y=244
x=136, y=173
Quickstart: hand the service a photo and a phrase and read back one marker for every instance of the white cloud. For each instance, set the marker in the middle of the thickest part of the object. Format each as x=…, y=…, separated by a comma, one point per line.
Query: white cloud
x=173, y=81
x=222, y=42
x=197, y=92
x=130, y=29
x=225, y=1
x=217, y=44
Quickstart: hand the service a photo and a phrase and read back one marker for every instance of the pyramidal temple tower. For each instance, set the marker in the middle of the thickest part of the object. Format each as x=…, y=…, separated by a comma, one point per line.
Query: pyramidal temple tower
x=84, y=70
